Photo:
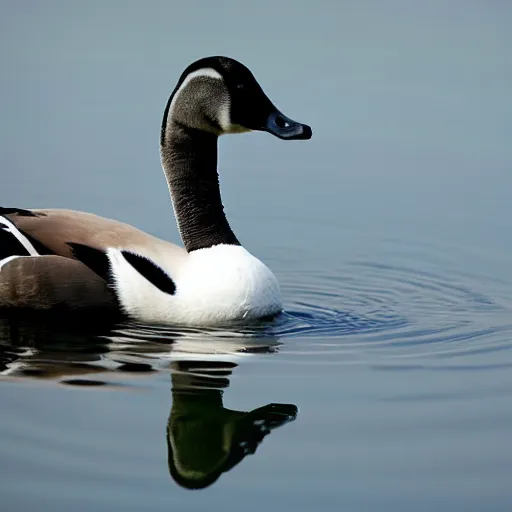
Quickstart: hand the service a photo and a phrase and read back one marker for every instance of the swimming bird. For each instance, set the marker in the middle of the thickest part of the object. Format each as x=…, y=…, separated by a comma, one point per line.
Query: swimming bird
x=70, y=261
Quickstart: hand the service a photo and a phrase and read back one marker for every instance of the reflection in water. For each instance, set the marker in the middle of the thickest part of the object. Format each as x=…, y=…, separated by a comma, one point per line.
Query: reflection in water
x=42, y=347
x=47, y=347
x=204, y=439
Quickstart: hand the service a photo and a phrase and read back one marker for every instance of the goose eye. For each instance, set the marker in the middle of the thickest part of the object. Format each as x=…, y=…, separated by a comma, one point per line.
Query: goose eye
x=240, y=86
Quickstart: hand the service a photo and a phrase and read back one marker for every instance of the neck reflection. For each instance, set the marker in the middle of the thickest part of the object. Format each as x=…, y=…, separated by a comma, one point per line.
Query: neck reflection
x=204, y=438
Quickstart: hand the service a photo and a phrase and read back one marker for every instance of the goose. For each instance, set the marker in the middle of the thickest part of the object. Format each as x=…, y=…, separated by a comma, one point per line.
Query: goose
x=75, y=262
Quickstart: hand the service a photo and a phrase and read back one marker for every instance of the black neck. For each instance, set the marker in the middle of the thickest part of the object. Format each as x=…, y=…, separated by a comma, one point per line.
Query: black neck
x=189, y=159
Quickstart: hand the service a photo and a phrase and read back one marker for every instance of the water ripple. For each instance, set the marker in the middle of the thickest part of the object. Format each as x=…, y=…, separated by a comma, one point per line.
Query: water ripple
x=357, y=311
x=370, y=313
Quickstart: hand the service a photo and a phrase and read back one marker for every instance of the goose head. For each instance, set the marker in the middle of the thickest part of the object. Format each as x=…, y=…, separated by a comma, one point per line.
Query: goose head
x=220, y=95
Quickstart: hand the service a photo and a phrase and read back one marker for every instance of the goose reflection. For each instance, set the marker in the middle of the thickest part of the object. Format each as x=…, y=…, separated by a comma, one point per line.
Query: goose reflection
x=44, y=348
x=204, y=439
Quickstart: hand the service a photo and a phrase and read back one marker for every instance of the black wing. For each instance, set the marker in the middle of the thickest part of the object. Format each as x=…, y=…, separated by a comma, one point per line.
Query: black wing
x=97, y=260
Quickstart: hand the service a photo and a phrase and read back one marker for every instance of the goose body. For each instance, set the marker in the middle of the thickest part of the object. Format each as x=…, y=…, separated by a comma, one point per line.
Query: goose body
x=64, y=260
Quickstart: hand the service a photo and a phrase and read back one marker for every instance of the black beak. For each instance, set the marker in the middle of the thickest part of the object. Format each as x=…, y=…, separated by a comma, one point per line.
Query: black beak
x=285, y=128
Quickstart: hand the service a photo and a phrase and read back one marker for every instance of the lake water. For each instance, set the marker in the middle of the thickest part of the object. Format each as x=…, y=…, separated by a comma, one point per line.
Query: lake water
x=387, y=383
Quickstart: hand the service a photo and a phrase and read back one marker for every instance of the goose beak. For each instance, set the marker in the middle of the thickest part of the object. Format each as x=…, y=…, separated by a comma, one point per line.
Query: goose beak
x=285, y=128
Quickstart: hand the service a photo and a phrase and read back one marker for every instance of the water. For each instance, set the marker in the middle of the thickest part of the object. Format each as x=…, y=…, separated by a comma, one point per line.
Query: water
x=386, y=384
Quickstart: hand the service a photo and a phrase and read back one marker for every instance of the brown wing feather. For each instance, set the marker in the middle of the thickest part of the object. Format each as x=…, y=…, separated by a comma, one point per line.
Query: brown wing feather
x=56, y=228
x=60, y=281
x=53, y=283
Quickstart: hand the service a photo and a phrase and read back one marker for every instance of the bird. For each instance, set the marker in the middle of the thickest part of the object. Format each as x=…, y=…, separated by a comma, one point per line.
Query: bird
x=67, y=261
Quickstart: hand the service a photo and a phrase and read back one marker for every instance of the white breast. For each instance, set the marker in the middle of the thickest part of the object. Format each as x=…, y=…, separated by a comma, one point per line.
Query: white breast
x=216, y=285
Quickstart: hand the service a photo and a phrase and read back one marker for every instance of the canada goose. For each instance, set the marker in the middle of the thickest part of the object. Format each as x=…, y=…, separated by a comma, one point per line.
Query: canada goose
x=65, y=260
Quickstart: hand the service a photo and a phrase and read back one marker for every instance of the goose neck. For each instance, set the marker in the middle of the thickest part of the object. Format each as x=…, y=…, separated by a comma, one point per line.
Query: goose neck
x=189, y=160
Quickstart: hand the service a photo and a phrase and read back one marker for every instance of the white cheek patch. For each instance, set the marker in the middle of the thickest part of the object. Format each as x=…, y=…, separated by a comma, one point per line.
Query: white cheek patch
x=224, y=109
x=225, y=117
x=237, y=128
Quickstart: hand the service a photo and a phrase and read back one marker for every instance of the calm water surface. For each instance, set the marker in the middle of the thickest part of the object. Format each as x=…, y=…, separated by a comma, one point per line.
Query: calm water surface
x=387, y=382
